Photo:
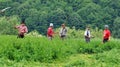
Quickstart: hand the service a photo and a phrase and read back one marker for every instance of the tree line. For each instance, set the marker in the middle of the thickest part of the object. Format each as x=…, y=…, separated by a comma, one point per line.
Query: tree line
x=74, y=13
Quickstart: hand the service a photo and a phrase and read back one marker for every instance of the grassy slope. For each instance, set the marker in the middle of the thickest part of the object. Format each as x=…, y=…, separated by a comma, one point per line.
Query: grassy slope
x=77, y=58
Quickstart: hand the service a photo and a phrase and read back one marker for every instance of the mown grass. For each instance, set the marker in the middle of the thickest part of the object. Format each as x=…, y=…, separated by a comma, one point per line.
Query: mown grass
x=43, y=52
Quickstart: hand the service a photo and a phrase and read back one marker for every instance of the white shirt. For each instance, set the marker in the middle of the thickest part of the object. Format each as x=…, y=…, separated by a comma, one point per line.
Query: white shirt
x=87, y=33
x=63, y=31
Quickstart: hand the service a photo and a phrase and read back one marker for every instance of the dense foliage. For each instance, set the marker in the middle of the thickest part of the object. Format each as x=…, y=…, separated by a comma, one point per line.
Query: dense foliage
x=42, y=50
x=78, y=13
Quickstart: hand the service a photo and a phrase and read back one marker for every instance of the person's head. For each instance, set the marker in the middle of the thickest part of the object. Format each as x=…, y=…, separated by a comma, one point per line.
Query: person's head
x=51, y=24
x=63, y=25
x=106, y=26
x=23, y=22
x=88, y=28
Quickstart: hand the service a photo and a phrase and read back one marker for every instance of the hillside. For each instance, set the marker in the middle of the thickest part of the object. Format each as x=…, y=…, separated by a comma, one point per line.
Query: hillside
x=77, y=13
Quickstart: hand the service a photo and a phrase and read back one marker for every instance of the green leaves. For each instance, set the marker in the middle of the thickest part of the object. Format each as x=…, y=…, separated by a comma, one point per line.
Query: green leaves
x=7, y=25
x=78, y=13
x=116, y=26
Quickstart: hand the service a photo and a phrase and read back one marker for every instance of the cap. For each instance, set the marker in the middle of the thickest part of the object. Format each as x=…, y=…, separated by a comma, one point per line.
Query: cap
x=106, y=26
x=51, y=24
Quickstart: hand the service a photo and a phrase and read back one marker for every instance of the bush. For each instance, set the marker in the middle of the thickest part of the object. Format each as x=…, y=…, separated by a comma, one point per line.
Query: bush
x=73, y=33
x=43, y=50
x=7, y=25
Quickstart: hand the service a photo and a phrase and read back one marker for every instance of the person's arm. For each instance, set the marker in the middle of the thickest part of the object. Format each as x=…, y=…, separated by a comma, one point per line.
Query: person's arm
x=109, y=38
x=60, y=32
x=109, y=35
x=16, y=27
x=52, y=33
x=85, y=34
x=66, y=31
x=26, y=29
x=89, y=34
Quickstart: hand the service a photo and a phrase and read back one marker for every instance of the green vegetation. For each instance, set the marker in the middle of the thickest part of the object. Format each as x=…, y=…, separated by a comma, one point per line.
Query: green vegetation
x=39, y=51
x=77, y=13
x=7, y=25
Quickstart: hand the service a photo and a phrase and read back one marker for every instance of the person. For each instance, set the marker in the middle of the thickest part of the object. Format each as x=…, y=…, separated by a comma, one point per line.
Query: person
x=50, y=32
x=106, y=34
x=87, y=34
x=22, y=29
x=63, y=31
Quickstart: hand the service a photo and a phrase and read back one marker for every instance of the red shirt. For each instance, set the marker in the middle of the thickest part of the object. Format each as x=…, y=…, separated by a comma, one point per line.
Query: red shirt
x=50, y=32
x=106, y=34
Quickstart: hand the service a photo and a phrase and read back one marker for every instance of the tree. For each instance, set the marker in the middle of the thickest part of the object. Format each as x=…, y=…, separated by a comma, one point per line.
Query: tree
x=116, y=30
x=78, y=13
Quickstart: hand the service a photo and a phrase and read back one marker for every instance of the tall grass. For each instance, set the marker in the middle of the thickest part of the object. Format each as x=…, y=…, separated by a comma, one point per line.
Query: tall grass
x=44, y=50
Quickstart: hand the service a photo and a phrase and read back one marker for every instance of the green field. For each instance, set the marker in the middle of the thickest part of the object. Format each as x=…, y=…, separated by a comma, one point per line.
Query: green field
x=72, y=52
